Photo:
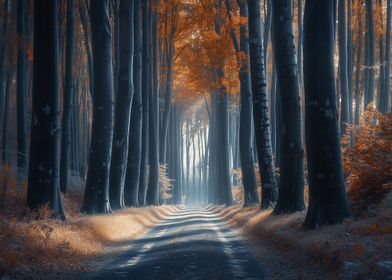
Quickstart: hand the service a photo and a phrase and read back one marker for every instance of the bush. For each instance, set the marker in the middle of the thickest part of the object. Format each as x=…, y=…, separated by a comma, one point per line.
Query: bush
x=368, y=163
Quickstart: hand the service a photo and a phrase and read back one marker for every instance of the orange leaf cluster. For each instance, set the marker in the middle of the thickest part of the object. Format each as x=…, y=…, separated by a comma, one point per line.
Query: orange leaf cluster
x=368, y=164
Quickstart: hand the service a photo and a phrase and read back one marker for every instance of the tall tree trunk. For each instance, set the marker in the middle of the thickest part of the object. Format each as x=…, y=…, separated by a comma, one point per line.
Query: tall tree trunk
x=146, y=86
x=342, y=36
x=3, y=50
x=370, y=19
x=153, y=184
x=135, y=126
x=68, y=100
x=291, y=183
x=5, y=132
x=96, y=196
x=251, y=195
x=327, y=195
x=168, y=91
x=358, y=76
x=350, y=59
x=385, y=97
x=83, y=19
x=123, y=105
x=21, y=87
x=44, y=166
x=300, y=35
x=260, y=107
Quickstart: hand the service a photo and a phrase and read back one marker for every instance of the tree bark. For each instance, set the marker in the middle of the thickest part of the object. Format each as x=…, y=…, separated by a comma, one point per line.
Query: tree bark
x=370, y=19
x=342, y=36
x=291, y=183
x=146, y=86
x=327, y=195
x=385, y=97
x=123, y=105
x=96, y=196
x=68, y=100
x=44, y=165
x=135, y=126
x=260, y=107
x=21, y=87
x=251, y=195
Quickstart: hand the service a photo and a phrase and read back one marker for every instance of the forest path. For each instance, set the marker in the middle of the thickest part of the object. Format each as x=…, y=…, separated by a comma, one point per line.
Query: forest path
x=191, y=244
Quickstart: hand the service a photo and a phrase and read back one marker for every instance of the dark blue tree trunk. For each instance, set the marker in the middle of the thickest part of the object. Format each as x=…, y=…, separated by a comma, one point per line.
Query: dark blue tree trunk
x=123, y=105
x=291, y=183
x=44, y=165
x=260, y=107
x=327, y=194
x=68, y=100
x=135, y=128
x=21, y=88
x=96, y=196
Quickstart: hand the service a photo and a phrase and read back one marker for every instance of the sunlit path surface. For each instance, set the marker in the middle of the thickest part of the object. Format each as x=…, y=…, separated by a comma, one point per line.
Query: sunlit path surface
x=193, y=243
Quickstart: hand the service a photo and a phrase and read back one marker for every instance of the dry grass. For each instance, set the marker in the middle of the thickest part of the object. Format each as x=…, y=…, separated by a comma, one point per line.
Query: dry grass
x=31, y=246
x=355, y=249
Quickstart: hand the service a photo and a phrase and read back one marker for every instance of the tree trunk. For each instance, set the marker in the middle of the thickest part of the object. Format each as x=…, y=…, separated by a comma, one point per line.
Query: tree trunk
x=83, y=19
x=68, y=101
x=123, y=105
x=135, y=128
x=260, y=107
x=291, y=183
x=168, y=93
x=385, y=97
x=251, y=195
x=358, y=76
x=44, y=166
x=350, y=59
x=153, y=185
x=146, y=86
x=3, y=50
x=21, y=87
x=370, y=18
x=5, y=132
x=96, y=196
x=327, y=195
x=342, y=36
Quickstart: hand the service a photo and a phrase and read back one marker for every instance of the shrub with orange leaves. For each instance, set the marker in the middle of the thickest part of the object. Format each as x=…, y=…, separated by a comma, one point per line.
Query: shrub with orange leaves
x=368, y=164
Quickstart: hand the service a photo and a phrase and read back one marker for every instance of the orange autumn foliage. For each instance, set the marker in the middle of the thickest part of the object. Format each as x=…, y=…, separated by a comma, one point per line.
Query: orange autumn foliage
x=368, y=164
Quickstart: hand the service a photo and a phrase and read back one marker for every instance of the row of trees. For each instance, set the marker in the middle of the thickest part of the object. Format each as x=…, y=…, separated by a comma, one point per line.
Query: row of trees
x=194, y=86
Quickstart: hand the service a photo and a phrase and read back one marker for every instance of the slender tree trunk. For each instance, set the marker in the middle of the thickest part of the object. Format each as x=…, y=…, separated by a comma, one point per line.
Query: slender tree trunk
x=300, y=35
x=83, y=19
x=291, y=183
x=251, y=194
x=5, y=132
x=21, y=87
x=168, y=92
x=260, y=107
x=44, y=166
x=370, y=18
x=69, y=92
x=135, y=129
x=358, y=76
x=153, y=185
x=3, y=49
x=327, y=195
x=386, y=96
x=123, y=105
x=342, y=36
x=145, y=100
x=350, y=59
x=96, y=196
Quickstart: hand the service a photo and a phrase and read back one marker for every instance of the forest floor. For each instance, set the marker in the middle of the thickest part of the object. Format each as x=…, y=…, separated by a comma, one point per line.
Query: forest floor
x=359, y=248
x=31, y=248
x=43, y=248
